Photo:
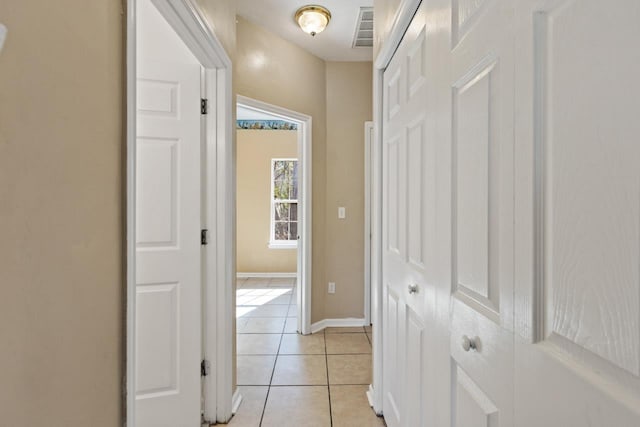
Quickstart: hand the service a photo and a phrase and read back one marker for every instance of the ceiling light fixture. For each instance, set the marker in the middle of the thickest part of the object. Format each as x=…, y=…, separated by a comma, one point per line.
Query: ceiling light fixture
x=313, y=19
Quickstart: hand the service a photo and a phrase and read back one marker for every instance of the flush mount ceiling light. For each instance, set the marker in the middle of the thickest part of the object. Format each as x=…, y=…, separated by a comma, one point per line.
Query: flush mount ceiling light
x=313, y=19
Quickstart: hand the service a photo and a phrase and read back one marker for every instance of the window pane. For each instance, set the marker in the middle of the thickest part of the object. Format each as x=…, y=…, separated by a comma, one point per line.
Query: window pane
x=278, y=169
x=293, y=231
x=281, y=231
x=281, y=211
x=293, y=194
x=281, y=189
x=294, y=212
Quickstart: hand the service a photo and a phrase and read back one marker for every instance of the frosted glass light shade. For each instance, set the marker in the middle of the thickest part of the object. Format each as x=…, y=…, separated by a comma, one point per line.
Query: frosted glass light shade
x=313, y=19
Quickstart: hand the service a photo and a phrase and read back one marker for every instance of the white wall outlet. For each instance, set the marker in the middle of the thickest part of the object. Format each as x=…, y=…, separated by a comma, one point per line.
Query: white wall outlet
x=332, y=288
x=342, y=212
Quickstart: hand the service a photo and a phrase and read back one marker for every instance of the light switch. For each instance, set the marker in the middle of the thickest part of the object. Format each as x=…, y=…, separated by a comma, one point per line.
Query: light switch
x=342, y=212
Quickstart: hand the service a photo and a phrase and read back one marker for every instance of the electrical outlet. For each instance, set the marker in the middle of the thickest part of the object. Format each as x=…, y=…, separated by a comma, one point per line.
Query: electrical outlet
x=332, y=288
x=342, y=212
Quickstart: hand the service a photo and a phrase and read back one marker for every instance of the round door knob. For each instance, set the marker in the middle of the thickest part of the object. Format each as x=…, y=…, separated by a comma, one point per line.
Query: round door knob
x=413, y=289
x=468, y=343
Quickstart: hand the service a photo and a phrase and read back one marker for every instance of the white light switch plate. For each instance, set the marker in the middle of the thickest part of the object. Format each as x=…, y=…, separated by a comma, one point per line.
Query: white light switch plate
x=3, y=35
x=342, y=212
x=332, y=288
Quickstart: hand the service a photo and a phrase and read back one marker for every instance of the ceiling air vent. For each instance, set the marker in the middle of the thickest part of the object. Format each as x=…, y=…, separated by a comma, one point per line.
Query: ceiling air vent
x=364, y=28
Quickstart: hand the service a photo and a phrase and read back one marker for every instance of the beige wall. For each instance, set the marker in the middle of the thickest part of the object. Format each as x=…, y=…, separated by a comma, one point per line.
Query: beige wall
x=349, y=105
x=62, y=192
x=273, y=70
x=61, y=213
x=222, y=18
x=338, y=97
x=255, y=149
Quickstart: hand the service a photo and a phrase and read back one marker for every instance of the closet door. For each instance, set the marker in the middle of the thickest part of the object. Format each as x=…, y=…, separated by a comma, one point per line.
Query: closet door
x=578, y=213
x=480, y=215
x=408, y=218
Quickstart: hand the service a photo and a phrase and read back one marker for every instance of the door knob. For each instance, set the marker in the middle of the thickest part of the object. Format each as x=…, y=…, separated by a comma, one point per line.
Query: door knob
x=468, y=343
x=413, y=289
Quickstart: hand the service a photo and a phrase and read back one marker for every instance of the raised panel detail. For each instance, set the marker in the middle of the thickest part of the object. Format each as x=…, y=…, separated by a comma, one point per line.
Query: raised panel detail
x=415, y=369
x=471, y=407
x=464, y=14
x=416, y=64
x=415, y=194
x=393, y=94
x=392, y=354
x=157, y=193
x=589, y=216
x=393, y=203
x=158, y=98
x=157, y=339
x=475, y=185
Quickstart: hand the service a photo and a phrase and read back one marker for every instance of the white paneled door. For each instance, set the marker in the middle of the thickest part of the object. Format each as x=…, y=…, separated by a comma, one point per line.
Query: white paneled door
x=511, y=215
x=578, y=213
x=481, y=213
x=168, y=278
x=408, y=221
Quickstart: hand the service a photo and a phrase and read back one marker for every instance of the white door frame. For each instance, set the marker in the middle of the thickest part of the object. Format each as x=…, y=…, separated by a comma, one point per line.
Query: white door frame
x=303, y=273
x=401, y=21
x=192, y=27
x=369, y=167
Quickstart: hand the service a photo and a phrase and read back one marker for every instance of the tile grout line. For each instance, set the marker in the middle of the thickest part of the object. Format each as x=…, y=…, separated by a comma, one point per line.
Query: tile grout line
x=273, y=371
x=264, y=408
x=326, y=361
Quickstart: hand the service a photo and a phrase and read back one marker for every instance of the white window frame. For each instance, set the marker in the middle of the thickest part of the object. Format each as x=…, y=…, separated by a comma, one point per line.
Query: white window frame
x=273, y=243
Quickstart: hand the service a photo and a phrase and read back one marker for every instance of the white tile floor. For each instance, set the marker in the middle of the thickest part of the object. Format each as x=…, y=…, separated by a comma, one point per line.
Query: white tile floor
x=287, y=379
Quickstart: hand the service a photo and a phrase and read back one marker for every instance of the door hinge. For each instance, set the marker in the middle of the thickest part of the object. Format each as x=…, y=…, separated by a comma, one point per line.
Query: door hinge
x=204, y=106
x=204, y=237
x=205, y=368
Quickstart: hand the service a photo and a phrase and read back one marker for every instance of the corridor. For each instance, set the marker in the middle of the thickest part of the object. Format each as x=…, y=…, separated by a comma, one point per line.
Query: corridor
x=291, y=380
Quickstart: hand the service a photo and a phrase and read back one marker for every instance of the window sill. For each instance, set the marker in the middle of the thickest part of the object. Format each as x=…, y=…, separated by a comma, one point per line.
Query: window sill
x=283, y=245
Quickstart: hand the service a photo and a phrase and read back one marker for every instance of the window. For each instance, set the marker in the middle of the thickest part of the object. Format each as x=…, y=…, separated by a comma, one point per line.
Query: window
x=284, y=203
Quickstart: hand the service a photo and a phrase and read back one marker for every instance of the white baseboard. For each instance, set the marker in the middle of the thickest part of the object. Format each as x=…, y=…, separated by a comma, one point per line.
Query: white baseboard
x=250, y=275
x=236, y=400
x=336, y=323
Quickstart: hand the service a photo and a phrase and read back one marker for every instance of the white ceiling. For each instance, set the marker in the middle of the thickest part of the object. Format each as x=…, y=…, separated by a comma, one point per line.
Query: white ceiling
x=333, y=44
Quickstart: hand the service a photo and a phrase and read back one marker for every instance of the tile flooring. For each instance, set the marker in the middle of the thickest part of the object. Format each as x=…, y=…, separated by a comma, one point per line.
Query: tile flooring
x=291, y=380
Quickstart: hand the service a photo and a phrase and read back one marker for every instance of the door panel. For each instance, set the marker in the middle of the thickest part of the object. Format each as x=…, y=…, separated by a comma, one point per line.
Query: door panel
x=481, y=320
x=578, y=210
x=407, y=223
x=393, y=352
x=511, y=192
x=471, y=406
x=168, y=284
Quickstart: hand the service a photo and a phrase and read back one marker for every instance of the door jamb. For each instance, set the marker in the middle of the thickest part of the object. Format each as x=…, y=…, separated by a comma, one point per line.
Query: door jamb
x=189, y=22
x=402, y=20
x=368, y=171
x=303, y=273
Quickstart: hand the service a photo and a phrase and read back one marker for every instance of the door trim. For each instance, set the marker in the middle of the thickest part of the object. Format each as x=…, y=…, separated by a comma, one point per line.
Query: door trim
x=368, y=265
x=303, y=272
x=401, y=21
x=189, y=22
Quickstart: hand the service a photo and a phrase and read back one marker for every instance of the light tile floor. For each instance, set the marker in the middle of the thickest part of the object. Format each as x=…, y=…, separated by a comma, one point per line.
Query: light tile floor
x=287, y=379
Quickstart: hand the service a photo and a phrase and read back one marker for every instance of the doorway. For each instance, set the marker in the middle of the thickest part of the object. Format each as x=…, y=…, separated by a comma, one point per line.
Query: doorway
x=180, y=225
x=289, y=226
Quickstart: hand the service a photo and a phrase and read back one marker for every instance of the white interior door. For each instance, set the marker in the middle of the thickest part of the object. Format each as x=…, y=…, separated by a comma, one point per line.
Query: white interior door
x=408, y=221
x=168, y=321
x=168, y=207
x=578, y=213
x=481, y=214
